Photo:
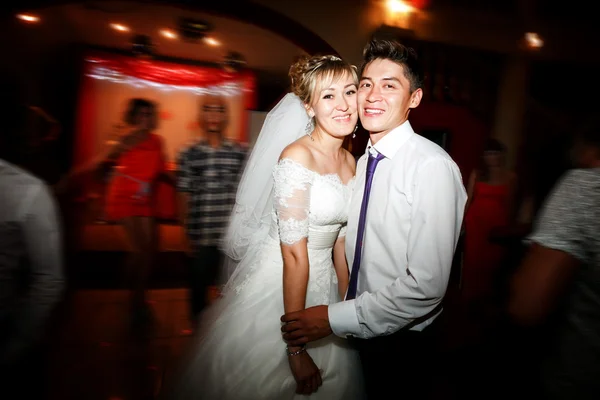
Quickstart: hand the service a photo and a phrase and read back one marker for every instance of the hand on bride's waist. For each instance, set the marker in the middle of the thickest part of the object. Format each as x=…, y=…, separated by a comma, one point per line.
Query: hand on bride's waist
x=308, y=325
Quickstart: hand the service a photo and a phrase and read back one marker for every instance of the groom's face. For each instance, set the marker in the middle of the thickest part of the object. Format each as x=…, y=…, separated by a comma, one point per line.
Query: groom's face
x=384, y=96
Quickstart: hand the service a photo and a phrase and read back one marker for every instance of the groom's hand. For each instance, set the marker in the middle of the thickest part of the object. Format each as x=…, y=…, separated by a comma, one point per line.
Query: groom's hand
x=306, y=326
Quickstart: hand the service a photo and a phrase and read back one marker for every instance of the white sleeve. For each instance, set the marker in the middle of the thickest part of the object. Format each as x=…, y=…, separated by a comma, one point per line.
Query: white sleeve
x=292, y=185
x=437, y=213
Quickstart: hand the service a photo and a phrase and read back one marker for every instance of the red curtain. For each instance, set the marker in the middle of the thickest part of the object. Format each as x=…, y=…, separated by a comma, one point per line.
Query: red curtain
x=160, y=72
x=164, y=72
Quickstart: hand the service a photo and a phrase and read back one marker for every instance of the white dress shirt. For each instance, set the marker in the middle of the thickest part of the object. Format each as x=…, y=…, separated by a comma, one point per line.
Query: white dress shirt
x=412, y=226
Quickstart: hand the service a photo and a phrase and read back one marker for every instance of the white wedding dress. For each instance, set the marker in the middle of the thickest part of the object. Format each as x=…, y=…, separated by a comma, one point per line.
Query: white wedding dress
x=240, y=354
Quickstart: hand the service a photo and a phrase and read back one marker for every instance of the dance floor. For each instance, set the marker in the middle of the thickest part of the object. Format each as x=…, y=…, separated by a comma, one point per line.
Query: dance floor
x=98, y=237
x=94, y=355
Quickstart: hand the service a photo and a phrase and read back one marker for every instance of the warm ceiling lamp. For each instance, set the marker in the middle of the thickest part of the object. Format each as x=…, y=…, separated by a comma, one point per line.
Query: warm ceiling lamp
x=28, y=18
x=399, y=6
x=119, y=27
x=168, y=34
x=212, y=41
x=533, y=40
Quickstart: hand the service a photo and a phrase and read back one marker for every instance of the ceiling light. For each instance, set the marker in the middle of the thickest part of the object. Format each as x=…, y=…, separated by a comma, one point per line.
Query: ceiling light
x=212, y=41
x=533, y=40
x=119, y=27
x=168, y=34
x=28, y=18
x=399, y=6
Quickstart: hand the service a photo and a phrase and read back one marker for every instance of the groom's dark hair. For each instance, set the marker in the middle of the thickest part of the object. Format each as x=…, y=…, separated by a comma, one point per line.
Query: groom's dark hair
x=398, y=53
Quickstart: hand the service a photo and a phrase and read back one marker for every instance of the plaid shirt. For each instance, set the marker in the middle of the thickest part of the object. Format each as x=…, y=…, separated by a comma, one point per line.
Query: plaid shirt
x=210, y=176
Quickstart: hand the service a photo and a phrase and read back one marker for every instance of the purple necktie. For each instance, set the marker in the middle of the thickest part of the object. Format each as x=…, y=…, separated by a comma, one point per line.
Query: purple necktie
x=371, y=164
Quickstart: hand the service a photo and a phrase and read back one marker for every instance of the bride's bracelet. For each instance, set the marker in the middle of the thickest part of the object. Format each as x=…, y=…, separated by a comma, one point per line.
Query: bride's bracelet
x=295, y=353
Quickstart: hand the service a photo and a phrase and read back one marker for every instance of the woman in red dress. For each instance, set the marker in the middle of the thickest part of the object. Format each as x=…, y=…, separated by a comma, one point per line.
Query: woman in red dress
x=137, y=162
x=131, y=195
x=490, y=192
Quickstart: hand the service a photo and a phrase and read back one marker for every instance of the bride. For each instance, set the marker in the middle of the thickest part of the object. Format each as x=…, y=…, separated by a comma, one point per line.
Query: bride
x=286, y=237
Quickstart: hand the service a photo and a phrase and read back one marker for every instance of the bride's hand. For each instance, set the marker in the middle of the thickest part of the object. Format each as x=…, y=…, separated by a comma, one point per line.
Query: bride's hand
x=307, y=375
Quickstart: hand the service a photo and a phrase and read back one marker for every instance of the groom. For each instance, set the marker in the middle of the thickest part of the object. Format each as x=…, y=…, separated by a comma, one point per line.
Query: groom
x=404, y=223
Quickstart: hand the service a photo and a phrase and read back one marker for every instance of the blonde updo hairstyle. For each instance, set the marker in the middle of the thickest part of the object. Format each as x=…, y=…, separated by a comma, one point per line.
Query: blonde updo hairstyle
x=310, y=74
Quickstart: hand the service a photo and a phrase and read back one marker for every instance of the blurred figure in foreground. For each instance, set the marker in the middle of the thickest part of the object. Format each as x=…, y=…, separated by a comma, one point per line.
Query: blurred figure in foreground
x=559, y=280
x=31, y=265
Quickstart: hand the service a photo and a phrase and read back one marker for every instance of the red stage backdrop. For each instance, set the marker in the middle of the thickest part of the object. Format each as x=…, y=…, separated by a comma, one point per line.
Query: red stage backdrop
x=111, y=80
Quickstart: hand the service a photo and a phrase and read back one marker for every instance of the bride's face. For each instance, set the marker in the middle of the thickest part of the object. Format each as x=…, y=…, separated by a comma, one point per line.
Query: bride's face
x=335, y=107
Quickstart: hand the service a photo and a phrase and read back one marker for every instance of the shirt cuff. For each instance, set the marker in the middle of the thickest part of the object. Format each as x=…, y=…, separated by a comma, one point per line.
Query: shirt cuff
x=343, y=319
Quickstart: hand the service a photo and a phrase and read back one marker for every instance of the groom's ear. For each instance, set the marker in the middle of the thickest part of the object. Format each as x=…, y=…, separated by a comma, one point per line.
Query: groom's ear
x=415, y=98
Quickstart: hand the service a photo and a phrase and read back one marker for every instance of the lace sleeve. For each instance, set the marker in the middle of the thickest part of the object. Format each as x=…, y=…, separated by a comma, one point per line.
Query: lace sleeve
x=291, y=187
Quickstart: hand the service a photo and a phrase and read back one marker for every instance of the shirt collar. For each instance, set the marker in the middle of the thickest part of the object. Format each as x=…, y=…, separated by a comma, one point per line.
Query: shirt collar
x=225, y=144
x=391, y=143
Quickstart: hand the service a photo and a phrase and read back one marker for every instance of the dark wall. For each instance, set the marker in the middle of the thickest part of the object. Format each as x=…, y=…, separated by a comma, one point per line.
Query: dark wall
x=562, y=96
x=271, y=88
x=46, y=67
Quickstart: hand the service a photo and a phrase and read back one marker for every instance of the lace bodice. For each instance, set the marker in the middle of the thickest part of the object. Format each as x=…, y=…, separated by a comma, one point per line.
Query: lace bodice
x=306, y=205
x=306, y=201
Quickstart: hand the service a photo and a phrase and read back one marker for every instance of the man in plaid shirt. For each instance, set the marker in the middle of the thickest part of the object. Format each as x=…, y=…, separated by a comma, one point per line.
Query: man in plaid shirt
x=208, y=173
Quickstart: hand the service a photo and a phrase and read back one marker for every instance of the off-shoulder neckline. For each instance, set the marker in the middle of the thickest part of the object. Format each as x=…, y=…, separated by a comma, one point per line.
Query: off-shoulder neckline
x=330, y=175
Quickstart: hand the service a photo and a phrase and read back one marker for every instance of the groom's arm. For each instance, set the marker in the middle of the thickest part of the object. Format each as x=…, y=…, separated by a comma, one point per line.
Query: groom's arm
x=437, y=213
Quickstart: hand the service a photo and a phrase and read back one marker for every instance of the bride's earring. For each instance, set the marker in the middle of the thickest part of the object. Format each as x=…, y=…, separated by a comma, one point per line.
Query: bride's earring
x=309, y=128
x=355, y=129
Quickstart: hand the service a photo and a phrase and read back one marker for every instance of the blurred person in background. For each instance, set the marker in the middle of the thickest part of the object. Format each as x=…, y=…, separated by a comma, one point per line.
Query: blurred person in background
x=557, y=287
x=207, y=177
x=31, y=260
x=43, y=147
x=137, y=162
x=491, y=191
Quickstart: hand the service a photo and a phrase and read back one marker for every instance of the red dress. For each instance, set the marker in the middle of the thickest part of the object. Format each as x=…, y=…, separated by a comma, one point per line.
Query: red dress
x=132, y=190
x=482, y=258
